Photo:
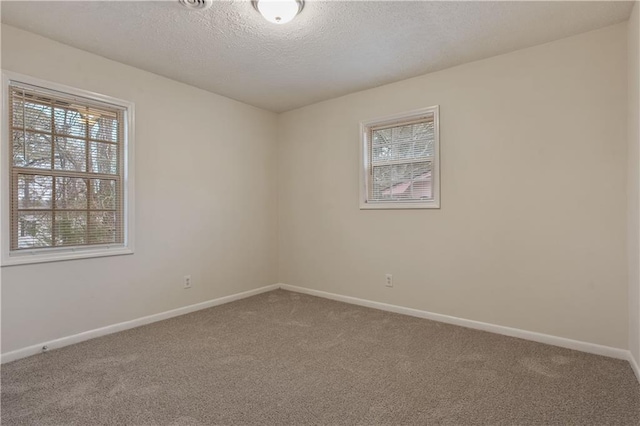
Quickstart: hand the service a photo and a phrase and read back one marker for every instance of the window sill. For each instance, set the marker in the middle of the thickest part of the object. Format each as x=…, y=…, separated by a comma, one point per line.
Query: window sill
x=398, y=206
x=43, y=256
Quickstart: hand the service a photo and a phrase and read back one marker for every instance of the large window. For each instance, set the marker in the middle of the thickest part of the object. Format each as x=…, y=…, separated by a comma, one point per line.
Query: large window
x=400, y=161
x=67, y=173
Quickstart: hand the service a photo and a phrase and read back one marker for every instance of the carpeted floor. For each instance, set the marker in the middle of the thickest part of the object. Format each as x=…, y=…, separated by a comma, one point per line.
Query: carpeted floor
x=286, y=358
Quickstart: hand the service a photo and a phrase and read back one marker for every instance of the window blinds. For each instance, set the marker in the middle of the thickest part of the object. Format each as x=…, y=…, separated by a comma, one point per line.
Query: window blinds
x=66, y=170
x=401, y=159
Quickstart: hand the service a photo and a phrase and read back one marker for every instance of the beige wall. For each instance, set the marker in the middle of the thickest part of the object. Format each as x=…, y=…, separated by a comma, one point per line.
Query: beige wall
x=205, y=203
x=633, y=48
x=532, y=229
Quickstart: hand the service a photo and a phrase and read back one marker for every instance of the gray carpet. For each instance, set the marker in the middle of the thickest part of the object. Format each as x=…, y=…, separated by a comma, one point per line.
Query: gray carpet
x=286, y=358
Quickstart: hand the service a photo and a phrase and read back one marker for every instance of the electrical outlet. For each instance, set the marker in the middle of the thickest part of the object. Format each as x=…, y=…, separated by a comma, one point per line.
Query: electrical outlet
x=187, y=281
x=389, y=280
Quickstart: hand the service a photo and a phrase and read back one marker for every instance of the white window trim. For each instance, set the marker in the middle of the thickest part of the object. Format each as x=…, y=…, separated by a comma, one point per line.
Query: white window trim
x=23, y=257
x=364, y=160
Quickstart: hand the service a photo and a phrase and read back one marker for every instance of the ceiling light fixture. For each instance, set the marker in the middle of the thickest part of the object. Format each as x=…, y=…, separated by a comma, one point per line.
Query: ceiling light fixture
x=278, y=11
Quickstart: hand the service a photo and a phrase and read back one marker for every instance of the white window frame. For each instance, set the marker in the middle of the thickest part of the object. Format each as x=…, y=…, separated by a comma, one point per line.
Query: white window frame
x=365, y=146
x=52, y=254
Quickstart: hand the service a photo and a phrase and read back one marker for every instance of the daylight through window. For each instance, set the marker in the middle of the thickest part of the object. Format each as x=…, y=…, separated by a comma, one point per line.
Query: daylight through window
x=66, y=171
x=401, y=161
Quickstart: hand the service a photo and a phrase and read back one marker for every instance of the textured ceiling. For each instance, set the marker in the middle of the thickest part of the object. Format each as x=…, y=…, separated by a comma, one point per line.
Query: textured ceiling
x=331, y=49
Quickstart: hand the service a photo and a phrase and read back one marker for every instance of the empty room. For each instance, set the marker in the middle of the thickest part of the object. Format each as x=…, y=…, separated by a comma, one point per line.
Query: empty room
x=311, y=212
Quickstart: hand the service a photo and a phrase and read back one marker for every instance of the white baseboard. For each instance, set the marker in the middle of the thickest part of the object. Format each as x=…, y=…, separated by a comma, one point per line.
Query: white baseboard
x=577, y=345
x=634, y=366
x=493, y=328
x=91, y=334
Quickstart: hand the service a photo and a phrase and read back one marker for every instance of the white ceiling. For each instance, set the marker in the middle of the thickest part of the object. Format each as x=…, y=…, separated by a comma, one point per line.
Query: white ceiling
x=331, y=49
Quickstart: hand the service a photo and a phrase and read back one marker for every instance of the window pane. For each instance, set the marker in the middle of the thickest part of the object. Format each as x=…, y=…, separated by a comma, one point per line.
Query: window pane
x=35, y=152
x=381, y=173
x=34, y=191
x=71, y=193
x=380, y=190
x=103, y=194
x=103, y=127
x=18, y=103
x=69, y=122
x=382, y=137
x=381, y=153
x=381, y=181
x=411, y=181
x=104, y=158
x=103, y=227
x=35, y=115
x=401, y=173
x=408, y=142
x=423, y=139
x=422, y=181
x=34, y=229
x=71, y=228
x=70, y=154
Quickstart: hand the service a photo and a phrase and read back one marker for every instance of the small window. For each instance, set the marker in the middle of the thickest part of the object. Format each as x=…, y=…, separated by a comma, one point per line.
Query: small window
x=400, y=161
x=67, y=174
